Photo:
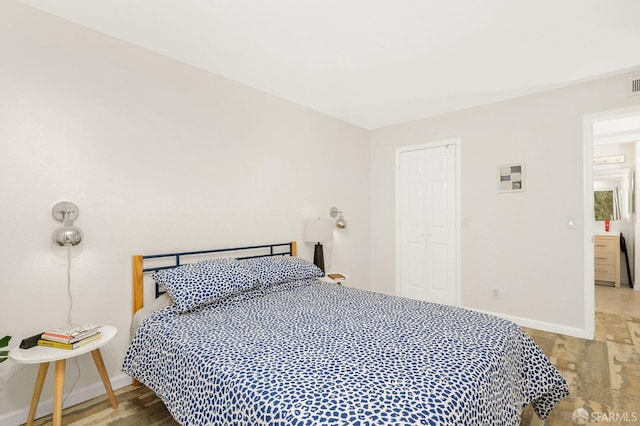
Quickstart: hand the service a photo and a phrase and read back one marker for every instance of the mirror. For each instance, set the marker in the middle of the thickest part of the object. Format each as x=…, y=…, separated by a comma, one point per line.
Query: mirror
x=603, y=204
x=613, y=194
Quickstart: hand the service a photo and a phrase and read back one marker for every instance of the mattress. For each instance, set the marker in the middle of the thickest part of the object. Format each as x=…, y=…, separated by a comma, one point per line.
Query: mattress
x=308, y=352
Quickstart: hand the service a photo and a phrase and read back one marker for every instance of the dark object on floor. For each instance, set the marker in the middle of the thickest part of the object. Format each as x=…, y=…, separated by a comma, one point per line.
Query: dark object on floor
x=623, y=248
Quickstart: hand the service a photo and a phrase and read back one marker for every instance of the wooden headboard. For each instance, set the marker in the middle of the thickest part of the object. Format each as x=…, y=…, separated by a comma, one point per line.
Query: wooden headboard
x=172, y=260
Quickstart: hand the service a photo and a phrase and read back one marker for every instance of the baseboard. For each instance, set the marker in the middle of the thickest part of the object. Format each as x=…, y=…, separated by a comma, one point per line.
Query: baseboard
x=77, y=396
x=541, y=325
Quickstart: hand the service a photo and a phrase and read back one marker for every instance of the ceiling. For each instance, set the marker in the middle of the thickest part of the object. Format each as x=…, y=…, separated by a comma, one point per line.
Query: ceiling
x=376, y=63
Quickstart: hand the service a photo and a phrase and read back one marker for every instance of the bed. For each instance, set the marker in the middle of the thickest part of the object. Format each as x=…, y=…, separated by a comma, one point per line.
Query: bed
x=262, y=340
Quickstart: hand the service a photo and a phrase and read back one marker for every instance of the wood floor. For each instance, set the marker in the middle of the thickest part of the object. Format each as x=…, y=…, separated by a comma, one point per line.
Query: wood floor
x=137, y=406
x=603, y=375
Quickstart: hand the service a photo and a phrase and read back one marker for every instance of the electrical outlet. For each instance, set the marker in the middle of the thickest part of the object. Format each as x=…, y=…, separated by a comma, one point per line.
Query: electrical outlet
x=496, y=293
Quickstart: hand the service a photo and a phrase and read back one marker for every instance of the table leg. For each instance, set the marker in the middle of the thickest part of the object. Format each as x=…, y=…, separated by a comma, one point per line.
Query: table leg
x=42, y=374
x=97, y=358
x=58, y=388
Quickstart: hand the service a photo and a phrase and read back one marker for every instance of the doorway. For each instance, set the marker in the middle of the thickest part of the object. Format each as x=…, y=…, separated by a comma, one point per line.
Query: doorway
x=603, y=129
x=428, y=222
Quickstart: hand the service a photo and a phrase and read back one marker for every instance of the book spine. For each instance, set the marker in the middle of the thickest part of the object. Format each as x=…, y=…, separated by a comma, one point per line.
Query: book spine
x=83, y=336
x=50, y=344
x=55, y=338
x=60, y=335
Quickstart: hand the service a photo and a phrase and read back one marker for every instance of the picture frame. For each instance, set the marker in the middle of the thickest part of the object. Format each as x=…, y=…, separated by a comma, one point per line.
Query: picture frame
x=511, y=177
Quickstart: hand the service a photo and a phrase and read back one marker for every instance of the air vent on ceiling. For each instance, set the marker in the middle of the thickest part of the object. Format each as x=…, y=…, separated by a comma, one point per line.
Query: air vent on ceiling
x=634, y=86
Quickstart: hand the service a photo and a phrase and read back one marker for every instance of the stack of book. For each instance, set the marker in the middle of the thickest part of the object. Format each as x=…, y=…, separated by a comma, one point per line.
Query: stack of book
x=70, y=336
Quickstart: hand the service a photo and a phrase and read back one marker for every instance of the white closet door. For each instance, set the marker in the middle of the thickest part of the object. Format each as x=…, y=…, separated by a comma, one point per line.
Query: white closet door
x=427, y=224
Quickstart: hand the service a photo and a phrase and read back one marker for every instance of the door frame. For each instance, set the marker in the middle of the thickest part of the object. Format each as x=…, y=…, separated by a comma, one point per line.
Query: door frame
x=589, y=287
x=457, y=142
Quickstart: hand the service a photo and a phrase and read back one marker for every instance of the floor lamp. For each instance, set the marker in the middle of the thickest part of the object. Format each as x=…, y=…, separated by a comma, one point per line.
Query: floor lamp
x=318, y=231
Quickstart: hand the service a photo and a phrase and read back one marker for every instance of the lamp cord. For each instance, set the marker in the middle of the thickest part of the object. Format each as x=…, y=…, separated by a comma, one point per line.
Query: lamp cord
x=69, y=284
x=70, y=294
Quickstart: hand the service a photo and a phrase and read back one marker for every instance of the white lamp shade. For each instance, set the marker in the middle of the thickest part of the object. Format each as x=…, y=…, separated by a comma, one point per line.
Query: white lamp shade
x=318, y=230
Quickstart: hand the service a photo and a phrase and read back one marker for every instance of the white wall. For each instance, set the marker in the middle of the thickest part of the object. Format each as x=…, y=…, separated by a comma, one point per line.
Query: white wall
x=159, y=157
x=518, y=242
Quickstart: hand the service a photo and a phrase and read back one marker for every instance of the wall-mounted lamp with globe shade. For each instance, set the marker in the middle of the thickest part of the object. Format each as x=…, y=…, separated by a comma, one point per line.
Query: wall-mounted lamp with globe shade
x=68, y=234
x=335, y=213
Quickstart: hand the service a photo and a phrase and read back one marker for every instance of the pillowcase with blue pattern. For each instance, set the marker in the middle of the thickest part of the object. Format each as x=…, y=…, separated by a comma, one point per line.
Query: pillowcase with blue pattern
x=279, y=269
x=200, y=283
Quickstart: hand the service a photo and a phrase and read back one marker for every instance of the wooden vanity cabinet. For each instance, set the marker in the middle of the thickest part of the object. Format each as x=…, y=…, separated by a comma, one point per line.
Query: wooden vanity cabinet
x=606, y=250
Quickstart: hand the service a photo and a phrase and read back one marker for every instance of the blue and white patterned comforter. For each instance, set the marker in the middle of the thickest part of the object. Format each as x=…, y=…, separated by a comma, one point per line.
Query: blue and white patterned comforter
x=313, y=353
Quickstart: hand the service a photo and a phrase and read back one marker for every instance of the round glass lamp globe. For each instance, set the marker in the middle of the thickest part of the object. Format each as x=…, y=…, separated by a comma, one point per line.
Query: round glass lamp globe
x=67, y=236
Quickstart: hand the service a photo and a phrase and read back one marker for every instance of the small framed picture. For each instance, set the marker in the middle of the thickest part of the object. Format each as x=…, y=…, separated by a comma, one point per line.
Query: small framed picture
x=511, y=177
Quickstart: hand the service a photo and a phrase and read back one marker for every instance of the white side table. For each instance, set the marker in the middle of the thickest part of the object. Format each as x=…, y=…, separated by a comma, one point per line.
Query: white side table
x=44, y=355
